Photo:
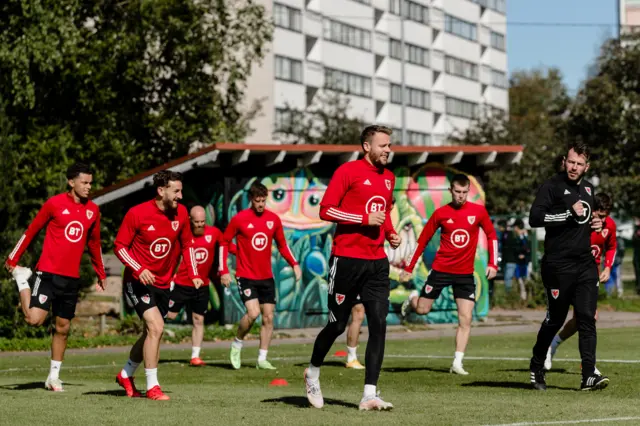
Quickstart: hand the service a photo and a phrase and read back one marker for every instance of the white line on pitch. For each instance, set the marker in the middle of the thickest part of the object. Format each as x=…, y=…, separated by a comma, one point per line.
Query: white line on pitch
x=407, y=356
x=567, y=422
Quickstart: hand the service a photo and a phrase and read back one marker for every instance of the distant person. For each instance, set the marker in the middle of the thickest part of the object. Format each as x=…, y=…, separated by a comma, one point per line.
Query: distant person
x=254, y=230
x=206, y=242
x=635, y=243
x=460, y=222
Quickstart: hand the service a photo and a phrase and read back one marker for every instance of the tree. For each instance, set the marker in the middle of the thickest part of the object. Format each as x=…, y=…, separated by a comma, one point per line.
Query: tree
x=125, y=86
x=538, y=102
x=606, y=116
x=328, y=121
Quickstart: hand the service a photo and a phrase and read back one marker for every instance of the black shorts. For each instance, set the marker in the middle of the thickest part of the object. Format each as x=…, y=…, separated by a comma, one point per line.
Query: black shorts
x=144, y=297
x=57, y=291
x=263, y=290
x=196, y=298
x=571, y=283
x=463, y=285
x=353, y=281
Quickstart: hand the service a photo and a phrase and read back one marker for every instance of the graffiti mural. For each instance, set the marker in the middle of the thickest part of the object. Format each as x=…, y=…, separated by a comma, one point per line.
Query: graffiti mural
x=296, y=195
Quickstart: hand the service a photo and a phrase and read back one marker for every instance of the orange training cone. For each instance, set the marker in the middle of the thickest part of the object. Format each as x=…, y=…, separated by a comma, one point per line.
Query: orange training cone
x=340, y=353
x=279, y=382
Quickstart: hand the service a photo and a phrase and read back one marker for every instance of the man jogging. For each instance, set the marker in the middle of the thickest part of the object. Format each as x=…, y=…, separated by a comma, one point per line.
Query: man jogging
x=563, y=206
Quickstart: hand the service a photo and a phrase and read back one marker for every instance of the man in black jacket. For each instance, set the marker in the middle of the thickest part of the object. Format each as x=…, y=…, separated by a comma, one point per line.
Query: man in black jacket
x=563, y=206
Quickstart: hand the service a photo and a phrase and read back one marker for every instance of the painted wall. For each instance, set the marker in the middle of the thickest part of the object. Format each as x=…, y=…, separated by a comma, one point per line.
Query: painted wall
x=295, y=196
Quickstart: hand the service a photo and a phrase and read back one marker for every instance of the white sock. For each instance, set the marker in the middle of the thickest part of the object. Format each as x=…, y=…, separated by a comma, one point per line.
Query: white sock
x=457, y=357
x=129, y=369
x=369, y=390
x=555, y=343
x=352, y=354
x=54, y=371
x=195, y=352
x=152, y=377
x=22, y=286
x=262, y=354
x=237, y=343
x=313, y=372
x=21, y=275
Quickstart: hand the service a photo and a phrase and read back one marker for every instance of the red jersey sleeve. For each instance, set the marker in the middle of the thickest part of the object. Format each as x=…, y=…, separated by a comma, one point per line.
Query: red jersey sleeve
x=492, y=238
x=39, y=222
x=330, y=209
x=425, y=236
x=610, y=245
x=188, y=253
x=95, y=249
x=226, y=243
x=281, y=241
x=124, y=239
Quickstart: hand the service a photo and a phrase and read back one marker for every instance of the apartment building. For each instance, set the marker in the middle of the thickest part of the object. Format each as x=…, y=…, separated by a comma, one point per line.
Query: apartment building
x=428, y=67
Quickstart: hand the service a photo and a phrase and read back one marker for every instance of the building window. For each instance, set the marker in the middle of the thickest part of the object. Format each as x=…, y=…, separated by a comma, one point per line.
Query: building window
x=410, y=10
x=499, y=79
x=287, y=17
x=352, y=84
x=413, y=54
x=460, y=108
x=413, y=97
x=499, y=6
x=461, y=28
x=288, y=69
x=282, y=119
x=497, y=41
x=418, y=138
x=414, y=138
x=346, y=34
x=461, y=68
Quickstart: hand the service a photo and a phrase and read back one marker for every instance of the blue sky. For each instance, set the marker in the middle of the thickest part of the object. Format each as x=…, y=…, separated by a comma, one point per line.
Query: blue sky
x=570, y=48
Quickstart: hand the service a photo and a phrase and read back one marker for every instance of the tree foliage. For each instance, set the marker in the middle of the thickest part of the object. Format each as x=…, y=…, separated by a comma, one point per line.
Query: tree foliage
x=605, y=115
x=537, y=103
x=124, y=86
x=329, y=120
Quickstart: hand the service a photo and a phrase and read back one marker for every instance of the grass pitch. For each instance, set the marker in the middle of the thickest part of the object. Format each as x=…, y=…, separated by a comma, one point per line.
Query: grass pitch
x=415, y=379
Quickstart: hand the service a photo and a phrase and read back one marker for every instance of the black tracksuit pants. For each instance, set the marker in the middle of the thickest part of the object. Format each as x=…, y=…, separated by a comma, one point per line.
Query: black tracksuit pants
x=569, y=283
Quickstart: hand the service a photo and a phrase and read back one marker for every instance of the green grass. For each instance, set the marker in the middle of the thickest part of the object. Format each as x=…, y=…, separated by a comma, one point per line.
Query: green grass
x=421, y=388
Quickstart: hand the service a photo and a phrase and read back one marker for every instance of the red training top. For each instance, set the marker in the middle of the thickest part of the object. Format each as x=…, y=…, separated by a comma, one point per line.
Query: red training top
x=70, y=225
x=204, y=248
x=357, y=189
x=459, y=238
x=605, y=242
x=254, y=234
x=147, y=239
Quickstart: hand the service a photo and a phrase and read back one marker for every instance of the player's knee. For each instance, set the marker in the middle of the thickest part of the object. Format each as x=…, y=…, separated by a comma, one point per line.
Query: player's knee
x=63, y=327
x=267, y=319
x=377, y=318
x=34, y=320
x=424, y=306
x=357, y=314
x=253, y=314
x=155, y=329
x=586, y=320
x=464, y=319
x=172, y=315
x=339, y=326
x=198, y=320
